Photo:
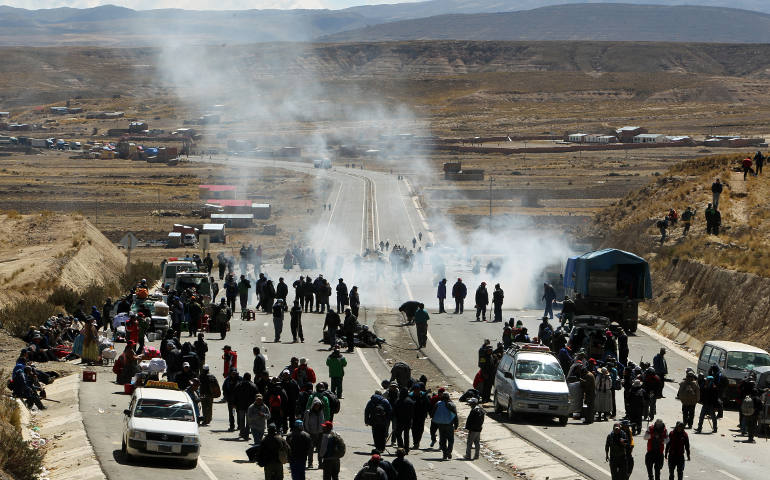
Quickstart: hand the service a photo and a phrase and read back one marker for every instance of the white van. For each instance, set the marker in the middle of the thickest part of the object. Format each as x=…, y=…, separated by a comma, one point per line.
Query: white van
x=735, y=360
x=174, y=265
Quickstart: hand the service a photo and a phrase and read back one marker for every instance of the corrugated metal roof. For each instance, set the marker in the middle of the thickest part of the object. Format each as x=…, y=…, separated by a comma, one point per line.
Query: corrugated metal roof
x=229, y=203
x=231, y=216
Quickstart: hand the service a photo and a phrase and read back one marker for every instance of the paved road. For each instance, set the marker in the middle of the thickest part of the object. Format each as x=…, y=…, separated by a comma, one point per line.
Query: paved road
x=223, y=455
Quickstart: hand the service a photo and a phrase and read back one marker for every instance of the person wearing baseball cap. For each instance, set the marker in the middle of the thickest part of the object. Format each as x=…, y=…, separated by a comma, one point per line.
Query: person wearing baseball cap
x=372, y=469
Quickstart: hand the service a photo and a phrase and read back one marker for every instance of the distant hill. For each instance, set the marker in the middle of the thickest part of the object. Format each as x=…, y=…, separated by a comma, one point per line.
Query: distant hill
x=117, y=26
x=594, y=21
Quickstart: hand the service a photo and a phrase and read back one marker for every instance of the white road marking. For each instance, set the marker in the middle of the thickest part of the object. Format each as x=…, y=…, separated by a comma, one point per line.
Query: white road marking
x=262, y=339
x=368, y=367
x=331, y=214
x=729, y=475
x=206, y=469
x=375, y=212
x=424, y=220
x=363, y=220
x=569, y=450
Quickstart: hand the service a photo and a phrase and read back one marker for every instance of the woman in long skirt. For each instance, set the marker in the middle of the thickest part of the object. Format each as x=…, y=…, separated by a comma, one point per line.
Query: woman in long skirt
x=90, y=343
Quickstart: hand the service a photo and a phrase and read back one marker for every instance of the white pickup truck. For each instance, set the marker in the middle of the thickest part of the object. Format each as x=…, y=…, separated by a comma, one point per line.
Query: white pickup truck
x=161, y=422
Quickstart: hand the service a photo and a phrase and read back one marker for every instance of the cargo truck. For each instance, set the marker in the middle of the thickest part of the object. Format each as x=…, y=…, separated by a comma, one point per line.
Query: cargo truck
x=609, y=283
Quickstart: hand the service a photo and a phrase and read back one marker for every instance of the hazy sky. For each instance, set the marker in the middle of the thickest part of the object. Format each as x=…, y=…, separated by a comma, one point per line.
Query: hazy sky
x=196, y=4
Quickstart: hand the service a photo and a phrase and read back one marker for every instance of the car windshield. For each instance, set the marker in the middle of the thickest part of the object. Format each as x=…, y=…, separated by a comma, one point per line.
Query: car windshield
x=537, y=370
x=747, y=360
x=164, y=410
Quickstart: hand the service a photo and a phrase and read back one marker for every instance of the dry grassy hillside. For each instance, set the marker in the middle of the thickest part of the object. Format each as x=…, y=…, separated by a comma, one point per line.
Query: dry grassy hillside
x=710, y=286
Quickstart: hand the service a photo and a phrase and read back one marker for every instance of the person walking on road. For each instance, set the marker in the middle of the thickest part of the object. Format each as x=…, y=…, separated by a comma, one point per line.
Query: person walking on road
x=273, y=453
x=445, y=416
x=459, y=292
x=709, y=399
x=301, y=446
x=497, y=302
x=421, y=318
x=377, y=415
x=228, y=390
x=615, y=453
x=331, y=450
x=588, y=385
x=354, y=301
x=259, y=366
x=549, y=295
x=244, y=285
x=759, y=161
x=332, y=323
x=713, y=220
x=336, y=363
x=689, y=395
x=687, y=217
x=209, y=389
x=349, y=327
x=403, y=412
x=746, y=164
x=441, y=295
x=245, y=392
x=257, y=417
x=482, y=300
x=474, y=424
x=296, y=322
x=371, y=470
x=656, y=437
x=342, y=295
x=661, y=369
x=278, y=309
x=678, y=444
x=403, y=467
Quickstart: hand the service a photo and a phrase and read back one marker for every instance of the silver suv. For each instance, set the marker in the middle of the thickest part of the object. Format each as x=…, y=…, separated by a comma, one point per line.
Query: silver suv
x=529, y=379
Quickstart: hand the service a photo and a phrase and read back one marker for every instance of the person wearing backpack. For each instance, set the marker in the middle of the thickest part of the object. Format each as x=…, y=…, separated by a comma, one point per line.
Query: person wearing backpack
x=209, y=390
x=377, y=415
x=445, y=416
x=301, y=450
x=331, y=399
x=474, y=424
x=331, y=450
x=273, y=453
x=689, y=395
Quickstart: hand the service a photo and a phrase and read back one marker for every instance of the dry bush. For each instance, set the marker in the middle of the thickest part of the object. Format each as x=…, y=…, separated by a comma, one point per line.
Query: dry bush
x=139, y=270
x=17, y=457
x=17, y=317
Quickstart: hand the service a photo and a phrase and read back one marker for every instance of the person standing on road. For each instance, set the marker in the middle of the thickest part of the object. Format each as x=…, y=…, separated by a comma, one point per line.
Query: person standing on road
x=746, y=164
x=422, y=408
x=259, y=363
x=497, y=301
x=759, y=160
x=709, y=398
x=421, y=318
x=336, y=363
x=403, y=467
x=273, y=453
x=301, y=450
x=342, y=295
x=615, y=453
x=257, y=416
x=441, y=295
x=331, y=450
x=445, y=416
x=549, y=295
x=661, y=369
x=308, y=291
x=354, y=301
x=459, y=292
x=244, y=393
x=278, y=308
x=349, y=327
x=403, y=411
x=482, y=300
x=228, y=390
x=656, y=437
x=209, y=389
x=716, y=191
x=588, y=385
x=295, y=315
x=377, y=415
x=689, y=395
x=474, y=424
x=678, y=444
x=222, y=265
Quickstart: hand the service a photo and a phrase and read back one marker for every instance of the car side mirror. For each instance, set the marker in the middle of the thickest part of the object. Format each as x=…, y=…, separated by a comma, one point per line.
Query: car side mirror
x=507, y=374
x=126, y=412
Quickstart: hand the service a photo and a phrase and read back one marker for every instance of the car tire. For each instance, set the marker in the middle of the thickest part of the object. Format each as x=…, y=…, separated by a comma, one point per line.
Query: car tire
x=498, y=407
x=511, y=413
x=124, y=452
x=563, y=420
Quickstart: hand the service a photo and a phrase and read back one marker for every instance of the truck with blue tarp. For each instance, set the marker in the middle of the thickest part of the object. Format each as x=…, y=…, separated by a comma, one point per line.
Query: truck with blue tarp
x=609, y=283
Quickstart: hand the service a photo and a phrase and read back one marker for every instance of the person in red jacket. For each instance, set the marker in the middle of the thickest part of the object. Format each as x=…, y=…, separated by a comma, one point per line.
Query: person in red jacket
x=678, y=444
x=746, y=163
x=656, y=437
x=303, y=373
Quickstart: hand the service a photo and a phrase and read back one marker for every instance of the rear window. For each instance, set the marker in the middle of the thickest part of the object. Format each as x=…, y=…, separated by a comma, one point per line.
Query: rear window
x=164, y=410
x=537, y=370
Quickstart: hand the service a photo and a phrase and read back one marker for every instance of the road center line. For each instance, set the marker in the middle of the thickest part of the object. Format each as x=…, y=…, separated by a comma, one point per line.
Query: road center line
x=331, y=215
x=729, y=475
x=368, y=367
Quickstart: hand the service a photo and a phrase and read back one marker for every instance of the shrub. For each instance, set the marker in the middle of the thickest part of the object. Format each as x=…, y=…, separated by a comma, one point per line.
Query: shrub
x=17, y=317
x=17, y=457
x=138, y=271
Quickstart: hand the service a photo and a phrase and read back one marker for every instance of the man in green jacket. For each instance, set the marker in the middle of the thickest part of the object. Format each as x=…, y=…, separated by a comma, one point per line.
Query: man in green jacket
x=336, y=363
x=421, y=318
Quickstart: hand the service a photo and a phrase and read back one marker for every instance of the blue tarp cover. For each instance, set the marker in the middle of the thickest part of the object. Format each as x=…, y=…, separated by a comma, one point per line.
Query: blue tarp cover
x=578, y=269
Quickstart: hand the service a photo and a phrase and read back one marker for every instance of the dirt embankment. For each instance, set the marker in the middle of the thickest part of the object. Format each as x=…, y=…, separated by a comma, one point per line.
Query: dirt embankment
x=42, y=251
x=709, y=286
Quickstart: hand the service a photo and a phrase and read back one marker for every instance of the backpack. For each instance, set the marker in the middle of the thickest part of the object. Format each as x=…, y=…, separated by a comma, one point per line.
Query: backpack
x=380, y=416
x=275, y=402
x=334, y=402
x=339, y=445
x=747, y=406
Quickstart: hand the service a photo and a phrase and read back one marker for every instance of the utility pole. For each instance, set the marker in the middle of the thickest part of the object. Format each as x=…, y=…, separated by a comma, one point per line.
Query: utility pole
x=491, y=180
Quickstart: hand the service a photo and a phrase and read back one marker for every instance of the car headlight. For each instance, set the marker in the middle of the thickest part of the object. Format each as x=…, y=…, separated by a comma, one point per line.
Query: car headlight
x=138, y=435
x=193, y=439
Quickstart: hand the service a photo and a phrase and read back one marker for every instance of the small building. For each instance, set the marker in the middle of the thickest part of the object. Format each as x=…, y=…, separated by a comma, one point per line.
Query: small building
x=137, y=127
x=217, y=191
x=650, y=138
x=233, y=220
x=679, y=139
x=184, y=229
x=261, y=210
x=215, y=231
x=174, y=240
x=5, y=114
x=60, y=110
x=599, y=138
x=627, y=134
x=577, y=137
